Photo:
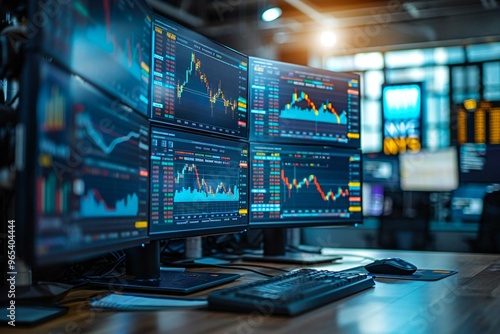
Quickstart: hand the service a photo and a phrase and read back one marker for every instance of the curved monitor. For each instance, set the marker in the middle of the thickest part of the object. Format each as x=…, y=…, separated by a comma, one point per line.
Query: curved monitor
x=291, y=103
x=199, y=184
x=106, y=42
x=83, y=185
x=301, y=186
x=197, y=83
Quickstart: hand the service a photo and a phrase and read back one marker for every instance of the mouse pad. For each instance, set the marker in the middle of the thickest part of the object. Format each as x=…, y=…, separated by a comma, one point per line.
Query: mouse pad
x=419, y=275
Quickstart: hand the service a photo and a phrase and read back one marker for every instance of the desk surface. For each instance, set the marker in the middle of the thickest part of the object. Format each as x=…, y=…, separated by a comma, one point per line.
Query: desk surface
x=468, y=302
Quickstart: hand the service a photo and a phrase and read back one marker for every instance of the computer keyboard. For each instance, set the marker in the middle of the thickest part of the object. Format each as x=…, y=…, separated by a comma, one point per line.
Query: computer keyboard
x=291, y=293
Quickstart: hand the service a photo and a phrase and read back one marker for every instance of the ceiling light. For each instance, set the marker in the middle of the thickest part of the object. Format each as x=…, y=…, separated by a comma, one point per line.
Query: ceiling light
x=328, y=39
x=271, y=14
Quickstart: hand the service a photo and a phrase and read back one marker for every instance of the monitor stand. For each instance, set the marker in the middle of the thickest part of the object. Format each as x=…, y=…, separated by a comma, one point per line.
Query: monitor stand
x=275, y=251
x=143, y=273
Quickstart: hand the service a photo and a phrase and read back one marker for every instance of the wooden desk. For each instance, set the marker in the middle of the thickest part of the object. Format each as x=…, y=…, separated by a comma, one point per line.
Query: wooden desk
x=468, y=302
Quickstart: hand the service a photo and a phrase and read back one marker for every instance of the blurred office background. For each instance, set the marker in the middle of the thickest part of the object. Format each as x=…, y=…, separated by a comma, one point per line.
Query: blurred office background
x=426, y=175
x=430, y=178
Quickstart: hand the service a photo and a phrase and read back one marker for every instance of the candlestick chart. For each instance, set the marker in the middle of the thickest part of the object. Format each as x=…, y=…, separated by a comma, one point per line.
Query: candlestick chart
x=197, y=83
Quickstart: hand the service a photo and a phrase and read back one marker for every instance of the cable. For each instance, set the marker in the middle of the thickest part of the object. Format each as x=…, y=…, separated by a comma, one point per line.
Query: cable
x=256, y=265
x=241, y=268
x=82, y=299
x=363, y=257
x=12, y=100
x=319, y=251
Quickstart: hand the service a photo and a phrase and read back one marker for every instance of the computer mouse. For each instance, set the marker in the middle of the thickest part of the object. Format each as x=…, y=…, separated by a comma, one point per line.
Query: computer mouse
x=391, y=266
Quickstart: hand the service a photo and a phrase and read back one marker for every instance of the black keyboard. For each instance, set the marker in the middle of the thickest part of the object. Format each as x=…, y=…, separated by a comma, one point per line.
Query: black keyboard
x=291, y=293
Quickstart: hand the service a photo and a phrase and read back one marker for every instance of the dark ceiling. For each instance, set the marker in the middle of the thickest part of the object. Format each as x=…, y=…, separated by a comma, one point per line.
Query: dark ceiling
x=361, y=26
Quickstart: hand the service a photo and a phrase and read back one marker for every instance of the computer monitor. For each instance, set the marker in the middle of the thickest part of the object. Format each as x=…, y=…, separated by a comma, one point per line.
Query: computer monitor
x=467, y=202
x=475, y=122
x=197, y=83
x=83, y=169
x=198, y=187
x=429, y=170
x=107, y=43
x=402, y=109
x=373, y=199
x=302, y=186
x=290, y=103
x=199, y=184
x=381, y=169
x=479, y=163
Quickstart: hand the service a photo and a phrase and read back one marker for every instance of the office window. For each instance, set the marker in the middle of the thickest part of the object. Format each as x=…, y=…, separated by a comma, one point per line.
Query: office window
x=369, y=61
x=436, y=137
x=465, y=83
x=449, y=55
x=445, y=75
x=371, y=84
x=438, y=80
x=423, y=57
x=340, y=63
x=371, y=142
x=405, y=58
x=483, y=52
x=491, y=81
x=436, y=122
x=413, y=74
x=371, y=125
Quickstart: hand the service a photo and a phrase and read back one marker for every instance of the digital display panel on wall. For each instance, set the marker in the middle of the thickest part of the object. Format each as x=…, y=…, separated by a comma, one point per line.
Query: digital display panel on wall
x=402, y=114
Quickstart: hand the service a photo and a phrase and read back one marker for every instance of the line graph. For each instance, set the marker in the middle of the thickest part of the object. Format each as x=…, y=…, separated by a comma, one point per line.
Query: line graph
x=193, y=187
x=298, y=184
x=93, y=205
x=214, y=96
x=84, y=121
x=303, y=108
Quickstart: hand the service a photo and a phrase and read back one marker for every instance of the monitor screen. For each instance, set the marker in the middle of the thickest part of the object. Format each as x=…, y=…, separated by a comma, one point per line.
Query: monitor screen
x=381, y=169
x=402, y=109
x=106, y=42
x=479, y=163
x=467, y=201
x=475, y=122
x=198, y=184
x=304, y=186
x=290, y=103
x=429, y=170
x=197, y=83
x=83, y=186
x=373, y=199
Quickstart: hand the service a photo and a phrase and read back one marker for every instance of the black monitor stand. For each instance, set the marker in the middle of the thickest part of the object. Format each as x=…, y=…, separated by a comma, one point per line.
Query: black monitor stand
x=275, y=244
x=144, y=273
